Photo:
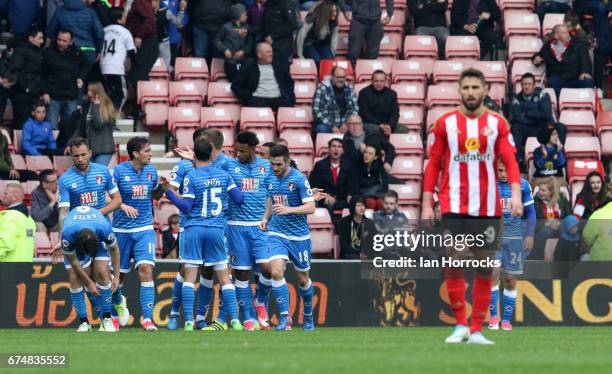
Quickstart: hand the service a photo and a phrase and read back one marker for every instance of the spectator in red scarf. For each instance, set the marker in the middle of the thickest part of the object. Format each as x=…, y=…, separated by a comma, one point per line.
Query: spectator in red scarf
x=592, y=196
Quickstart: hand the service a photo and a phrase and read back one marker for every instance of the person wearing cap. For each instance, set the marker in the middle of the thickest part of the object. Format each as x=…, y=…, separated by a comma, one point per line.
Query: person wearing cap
x=549, y=158
x=234, y=41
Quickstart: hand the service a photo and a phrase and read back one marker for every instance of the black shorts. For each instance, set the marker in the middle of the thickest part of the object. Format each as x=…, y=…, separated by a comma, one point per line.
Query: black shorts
x=477, y=233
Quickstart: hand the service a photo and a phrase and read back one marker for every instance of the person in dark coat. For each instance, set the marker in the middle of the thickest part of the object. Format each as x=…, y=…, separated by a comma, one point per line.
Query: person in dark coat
x=170, y=238
x=235, y=41
x=378, y=106
x=356, y=139
x=355, y=230
x=22, y=14
x=476, y=17
x=277, y=27
x=206, y=18
x=430, y=19
x=265, y=82
x=372, y=177
x=141, y=23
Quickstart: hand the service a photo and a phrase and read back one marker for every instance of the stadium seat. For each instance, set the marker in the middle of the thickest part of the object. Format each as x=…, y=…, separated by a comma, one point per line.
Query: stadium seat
x=7, y=136
x=342, y=48
x=390, y=45
x=530, y=145
x=216, y=117
x=322, y=241
x=262, y=118
x=526, y=5
x=442, y=95
x=408, y=71
x=54, y=237
x=408, y=193
x=397, y=22
x=31, y=186
x=264, y=135
x=188, y=93
x=304, y=162
x=17, y=137
x=520, y=23
x=577, y=170
x=411, y=117
x=221, y=92
x=553, y=100
x=408, y=167
x=326, y=66
x=407, y=144
x=606, y=143
x=582, y=147
x=523, y=47
x=320, y=220
x=343, y=23
x=494, y=71
x=497, y=92
x=296, y=118
x=304, y=92
x=420, y=46
x=520, y=67
x=62, y=163
x=433, y=114
x=185, y=118
x=550, y=21
x=159, y=71
x=462, y=47
x=233, y=109
x=162, y=213
x=577, y=98
x=18, y=161
x=321, y=143
x=299, y=141
x=38, y=163
x=578, y=122
x=411, y=212
x=357, y=87
x=190, y=68
x=365, y=68
x=449, y=71
x=43, y=245
x=153, y=99
x=217, y=70
x=304, y=70
x=410, y=93
x=604, y=121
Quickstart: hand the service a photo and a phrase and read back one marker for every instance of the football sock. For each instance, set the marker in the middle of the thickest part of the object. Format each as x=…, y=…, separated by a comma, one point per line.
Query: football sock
x=244, y=297
x=117, y=299
x=281, y=295
x=95, y=302
x=306, y=293
x=188, y=296
x=177, y=294
x=204, y=294
x=494, y=300
x=78, y=302
x=455, y=286
x=147, y=299
x=229, y=300
x=106, y=294
x=262, y=292
x=222, y=315
x=508, y=302
x=481, y=299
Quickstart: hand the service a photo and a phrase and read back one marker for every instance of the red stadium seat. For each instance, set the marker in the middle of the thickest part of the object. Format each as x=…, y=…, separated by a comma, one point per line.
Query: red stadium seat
x=221, y=92
x=523, y=47
x=407, y=144
x=321, y=143
x=38, y=163
x=520, y=23
x=304, y=70
x=304, y=92
x=31, y=186
x=320, y=220
x=407, y=71
x=233, y=109
x=185, y=118
x=411, y=117
x=410, y=93
x=577, y=98
x=343, y=23
x=526, y=5
x=297, y=118
x=530, y=145
x=264, y=135
x=606, y=143
x=18, y=161
x=420, y=46
x=408, y=167
x=397, y=22
x=449, y=71
x=256, y=118
x=498, y=93
x=42, y=244
x=462, y=47
x=577, y=170
x=153, y=99
x=159, y=70
x=190, y=68
x=442, y=95
x=217, y=70
x=433, y=114
x=578, y=122
x=322, y=241
x=17, y=137
x=342, y=48
x=390, y=45
x=520, y=67
x=494, y=71
x=216, y=117
x=408, y=193
x=188, y=91
x=553, y=100
x=7, y=136
x=304, y=162
x=54, y=237
x=604, y=121
x=299, y=141
x=62, y=163
x=360, y=86
x=582, y=147
x=550, y=21
x=365, y=68
x=326, y=66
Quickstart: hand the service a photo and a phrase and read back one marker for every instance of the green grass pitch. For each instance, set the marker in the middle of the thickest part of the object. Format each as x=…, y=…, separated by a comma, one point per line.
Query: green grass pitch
x=576, y=350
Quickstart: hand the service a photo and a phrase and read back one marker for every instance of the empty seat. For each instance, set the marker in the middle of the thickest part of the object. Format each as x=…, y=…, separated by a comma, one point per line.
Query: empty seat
x=604, y=121
x=526, y=5
x=520, y=67
x=550, y=21
x=299, y=118
x=449, y=71
x=217, y=70
x=190, y=68
x=433, y=114
x=264, y=135
x=304, y=69
x=18, y=161
x=304, y=92
x=578, y=122
x=159, y=70
x=494, y=71
x=420, y=46
x=397, y=22
x=183, y=118
x=530, y=145
x=582, y=147
x=577, y=170
x=577, y=98
x=304, y=162
x=190, y=91
x=390, y=45
x=38, y=163
x=321, y=141
x=606, y=143
x=553, y=100
x=322, y=241
x=62, y=163
x=320, y=220
x=153, y=99
x=216, y=117
x=365, y=68
x=410, y=93
x=342, y=48
x=408, y=70
x=299, y=141
x=256, y=118
x=442, y=95
x=516, y=23
x=411, y=117
x=462, y=47
x=408, y=167
x=17, y=137
x=221, y=92
x=523, y=47
x=42, y=244
x=408, y=193
x=407, y=144
x=326, y=66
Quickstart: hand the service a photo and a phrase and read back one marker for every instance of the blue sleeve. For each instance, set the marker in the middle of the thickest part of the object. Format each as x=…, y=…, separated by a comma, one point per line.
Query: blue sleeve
x=177, y=175
x=530, y=216
x=304, y=190
x=111, y=185
x=26, y=141
x=64, y=195
x=538, y=158
x=236, y=195
x=560, y=161
x=68, y=242
x=188, y=187
x=108, y=235
x=526, y=192
x=184, y=204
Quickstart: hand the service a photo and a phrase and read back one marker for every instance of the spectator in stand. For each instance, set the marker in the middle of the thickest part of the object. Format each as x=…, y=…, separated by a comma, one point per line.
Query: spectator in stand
x=235, y=41
x=96, y=121
x=206, y=18
x=17, y=228
x=64, y=70
x=476, y=17
x=27, y=61
x=549, y=158
x=265, y=82
x=174, y=31
x=572, y=21
x=318, y=37
x=7, y=81
x=596, y=234
x=7, y=169
x=333, y=175
x=38, y=136
x=366, y=27
x=552, y=6
x=430, y=19
x=603, y=49
x=44, y=198
x=551, y=207
x=170, y=238
x=85, y=26
x=277, y=27
x=102, y=8
x=568, y=246
x=7, y=54
x=255, y=13
x=489, y=103
x=378, y=106
x=568, y=64
x=264, y=151
x=112, y=64
x=372, y=177
x=389, y=219
x=356, y=139
x=531, y=111
x=51, y=7
x=142, y=25
x=354, y=229
x=592, y=196
x=22, y=14
x=163, y=18
x=334, y=101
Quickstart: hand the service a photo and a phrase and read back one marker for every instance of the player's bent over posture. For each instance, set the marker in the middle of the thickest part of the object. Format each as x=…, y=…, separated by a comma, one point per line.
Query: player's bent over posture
x=464, y=146
x=517, y=241
x=87, y=238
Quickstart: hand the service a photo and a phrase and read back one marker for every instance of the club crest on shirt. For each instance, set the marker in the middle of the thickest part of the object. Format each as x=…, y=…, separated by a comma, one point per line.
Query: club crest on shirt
x=292, y=186
x=486, y=131
x=262, y=170
x=149, y=177
x=98, y=179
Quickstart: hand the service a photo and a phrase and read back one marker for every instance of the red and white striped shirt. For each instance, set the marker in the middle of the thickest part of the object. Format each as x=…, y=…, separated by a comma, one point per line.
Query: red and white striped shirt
x=466, y=148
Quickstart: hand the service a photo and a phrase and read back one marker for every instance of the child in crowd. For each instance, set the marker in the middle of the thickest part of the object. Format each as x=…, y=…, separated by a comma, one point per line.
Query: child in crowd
x=38, y=136
x=234, y=41
x=549, y=159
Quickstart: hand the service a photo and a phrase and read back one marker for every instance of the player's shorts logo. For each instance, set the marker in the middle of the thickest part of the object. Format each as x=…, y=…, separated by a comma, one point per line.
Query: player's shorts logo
x=472, y=144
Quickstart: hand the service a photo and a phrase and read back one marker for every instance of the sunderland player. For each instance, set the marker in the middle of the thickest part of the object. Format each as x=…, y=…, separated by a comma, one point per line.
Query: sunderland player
x=290, y=200
x=85, y=184
x=205, y=194
x=464, y=145
x=517, y=241
x=87, y=237
x=133, y=224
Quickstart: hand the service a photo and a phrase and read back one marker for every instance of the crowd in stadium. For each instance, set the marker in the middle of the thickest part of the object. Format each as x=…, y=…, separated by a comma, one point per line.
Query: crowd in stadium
x=369, y=112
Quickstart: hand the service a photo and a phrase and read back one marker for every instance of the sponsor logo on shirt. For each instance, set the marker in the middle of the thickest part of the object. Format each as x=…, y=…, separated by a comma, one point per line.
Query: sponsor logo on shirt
x=250, y=185
x=88, y=198
x=140, y=191
x=472, y=144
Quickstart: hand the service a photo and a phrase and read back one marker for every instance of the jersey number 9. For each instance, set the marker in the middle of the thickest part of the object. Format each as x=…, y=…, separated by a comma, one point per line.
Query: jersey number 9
x=213, y=199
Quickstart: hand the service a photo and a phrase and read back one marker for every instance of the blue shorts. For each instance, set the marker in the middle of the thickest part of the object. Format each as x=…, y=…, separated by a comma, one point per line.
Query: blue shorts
x=203, y=246
x=101, y=255
x=137, y=245
x=511, y=256
x=246, y=244
x=298, y=251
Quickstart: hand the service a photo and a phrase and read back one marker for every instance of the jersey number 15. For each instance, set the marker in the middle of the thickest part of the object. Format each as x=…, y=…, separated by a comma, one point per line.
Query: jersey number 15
x=213, y=199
